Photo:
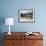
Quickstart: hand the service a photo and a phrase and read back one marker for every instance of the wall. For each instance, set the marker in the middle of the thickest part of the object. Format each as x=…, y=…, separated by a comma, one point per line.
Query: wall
x=9, y=8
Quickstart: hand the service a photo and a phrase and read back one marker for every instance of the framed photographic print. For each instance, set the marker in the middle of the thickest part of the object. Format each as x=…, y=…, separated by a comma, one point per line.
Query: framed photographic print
x=26, y=15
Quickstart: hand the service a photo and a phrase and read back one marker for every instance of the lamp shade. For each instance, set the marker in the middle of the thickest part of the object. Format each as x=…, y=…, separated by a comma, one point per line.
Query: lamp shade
x=9, y=21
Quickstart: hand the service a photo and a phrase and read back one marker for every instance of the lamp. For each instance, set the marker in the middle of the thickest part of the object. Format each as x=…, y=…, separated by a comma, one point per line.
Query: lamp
x=9, y=21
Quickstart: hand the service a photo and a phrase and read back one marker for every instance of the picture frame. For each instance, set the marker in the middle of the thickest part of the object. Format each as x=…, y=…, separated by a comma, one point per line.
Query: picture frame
x=26, y=15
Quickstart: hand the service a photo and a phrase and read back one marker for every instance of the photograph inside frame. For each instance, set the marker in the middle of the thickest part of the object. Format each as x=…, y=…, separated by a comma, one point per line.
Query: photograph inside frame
x=26, y=15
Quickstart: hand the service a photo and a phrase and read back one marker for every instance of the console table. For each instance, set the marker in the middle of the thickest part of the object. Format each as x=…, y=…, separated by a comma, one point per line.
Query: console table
x=21, y=39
